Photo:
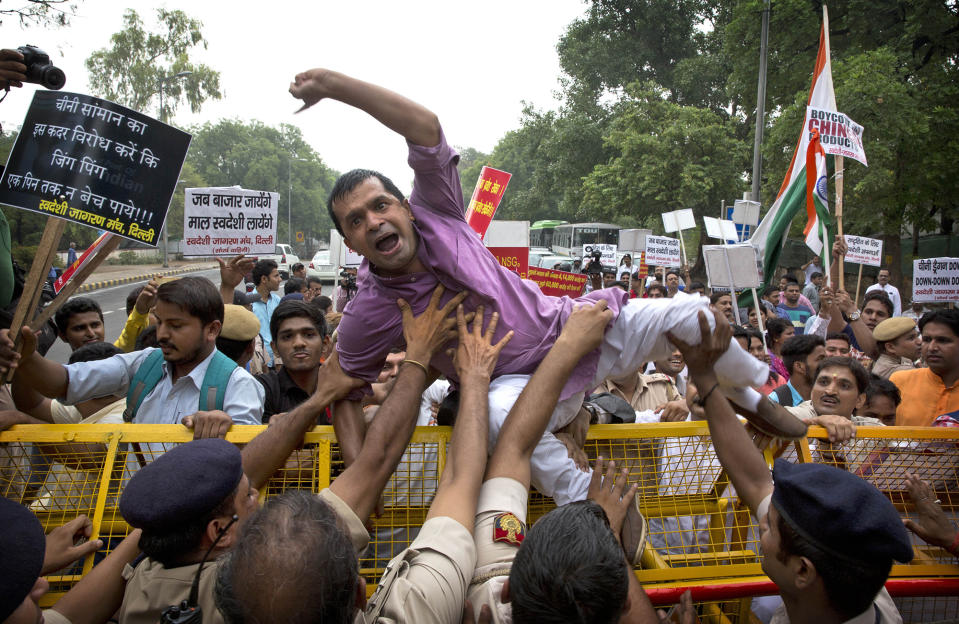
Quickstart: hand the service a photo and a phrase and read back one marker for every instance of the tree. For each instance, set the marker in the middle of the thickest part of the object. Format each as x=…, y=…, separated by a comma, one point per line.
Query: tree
x=129, y=73
x=49, y=13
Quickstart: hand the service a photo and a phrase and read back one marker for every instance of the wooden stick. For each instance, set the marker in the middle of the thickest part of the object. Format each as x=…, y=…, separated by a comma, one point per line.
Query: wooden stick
x=858, y=282
x=839, y=175
x=33, y=287
x=76, y=281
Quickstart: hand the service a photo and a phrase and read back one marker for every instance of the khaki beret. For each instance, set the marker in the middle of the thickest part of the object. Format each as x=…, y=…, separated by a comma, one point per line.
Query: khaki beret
x=239, y=323
x=892, y=328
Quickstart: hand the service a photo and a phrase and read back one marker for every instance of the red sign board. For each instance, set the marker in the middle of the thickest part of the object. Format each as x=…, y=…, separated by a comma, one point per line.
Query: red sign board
x=513, y=258
x=558, y=283
x=486, y=197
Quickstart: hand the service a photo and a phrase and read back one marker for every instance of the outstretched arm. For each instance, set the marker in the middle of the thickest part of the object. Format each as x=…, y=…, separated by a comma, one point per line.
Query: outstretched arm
x=475, y=360
x=739, y=456
x=401, y=115
x=530, y=414
x=362, y=483
x=45, y=376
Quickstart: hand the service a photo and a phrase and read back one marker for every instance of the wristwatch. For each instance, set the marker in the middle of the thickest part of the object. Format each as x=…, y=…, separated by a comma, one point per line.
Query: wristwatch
x=854, y=316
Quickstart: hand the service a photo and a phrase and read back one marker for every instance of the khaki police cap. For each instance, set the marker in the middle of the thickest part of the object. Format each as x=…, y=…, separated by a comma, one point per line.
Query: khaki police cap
x=892, y=328
x=239, y=323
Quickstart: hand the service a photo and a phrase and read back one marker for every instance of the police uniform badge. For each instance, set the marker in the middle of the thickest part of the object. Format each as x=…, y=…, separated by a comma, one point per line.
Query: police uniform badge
x=508, y=528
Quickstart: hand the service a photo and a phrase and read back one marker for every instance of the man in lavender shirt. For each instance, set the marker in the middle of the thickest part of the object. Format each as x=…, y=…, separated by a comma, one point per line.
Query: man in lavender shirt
x=412, y=246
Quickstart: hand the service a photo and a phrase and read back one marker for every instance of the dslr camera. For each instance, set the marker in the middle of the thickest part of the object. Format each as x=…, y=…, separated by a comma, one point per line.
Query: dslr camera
x=40, y=70
x=349, y=280
x=596, y=265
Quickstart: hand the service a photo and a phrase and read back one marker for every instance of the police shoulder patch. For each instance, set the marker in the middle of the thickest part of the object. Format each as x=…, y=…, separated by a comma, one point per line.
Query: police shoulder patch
x=508, y=528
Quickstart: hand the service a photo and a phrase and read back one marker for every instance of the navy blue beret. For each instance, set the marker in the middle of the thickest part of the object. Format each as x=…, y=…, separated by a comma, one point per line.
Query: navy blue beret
x=22, y=545
x=182, y=485
x=840, y=513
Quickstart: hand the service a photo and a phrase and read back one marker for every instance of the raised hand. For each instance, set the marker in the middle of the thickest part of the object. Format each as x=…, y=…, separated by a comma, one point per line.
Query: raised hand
x=212, y=424
x=610, y=492
x=427, y=333
x=308, y=86
x=147, y=297
x=585, y=327
x=932, y=524
x=233, y=270
x=701, y=358
x=475, y=354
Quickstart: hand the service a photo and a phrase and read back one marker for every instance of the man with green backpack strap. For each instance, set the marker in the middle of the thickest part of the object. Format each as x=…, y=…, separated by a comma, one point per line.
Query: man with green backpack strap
x=185, y=376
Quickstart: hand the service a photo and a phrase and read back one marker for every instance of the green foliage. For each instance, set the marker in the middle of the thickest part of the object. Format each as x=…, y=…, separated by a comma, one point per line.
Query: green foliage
x=129, y=257
x=130, y=71
x=49, y=13
x=256, y=156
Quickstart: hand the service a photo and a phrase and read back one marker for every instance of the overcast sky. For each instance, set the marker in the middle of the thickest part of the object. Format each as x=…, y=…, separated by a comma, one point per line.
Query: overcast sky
x=473, y=63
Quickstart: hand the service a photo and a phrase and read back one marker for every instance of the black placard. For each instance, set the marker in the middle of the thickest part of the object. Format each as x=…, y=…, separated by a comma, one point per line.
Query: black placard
x=96, y=163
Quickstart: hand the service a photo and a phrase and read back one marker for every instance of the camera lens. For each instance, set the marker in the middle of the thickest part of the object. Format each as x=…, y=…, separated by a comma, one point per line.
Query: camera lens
x=53, y=78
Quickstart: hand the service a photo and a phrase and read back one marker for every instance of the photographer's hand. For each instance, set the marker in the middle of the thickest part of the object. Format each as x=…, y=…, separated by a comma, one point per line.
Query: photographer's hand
x=12, y=69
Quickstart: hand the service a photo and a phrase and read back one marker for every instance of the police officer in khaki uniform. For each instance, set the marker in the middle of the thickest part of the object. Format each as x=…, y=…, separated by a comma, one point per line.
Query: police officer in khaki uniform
x=517, y=571
x=898, y=343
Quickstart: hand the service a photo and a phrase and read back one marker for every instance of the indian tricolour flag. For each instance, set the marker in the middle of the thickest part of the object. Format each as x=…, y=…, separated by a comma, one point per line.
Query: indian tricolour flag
x=792, y=198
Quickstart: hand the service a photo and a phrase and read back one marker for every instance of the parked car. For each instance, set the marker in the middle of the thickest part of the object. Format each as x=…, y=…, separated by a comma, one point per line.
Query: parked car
x=548, y=262
x=322, y=267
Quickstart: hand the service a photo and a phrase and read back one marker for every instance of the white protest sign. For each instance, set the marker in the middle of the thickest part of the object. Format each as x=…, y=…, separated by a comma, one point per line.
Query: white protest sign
x=746, y=212
x=633, y=239
x=609, y=253
x=507, y=234
x=838, y=134
x=732, y=266
x=662, y=251
x=721, y=228
x=863, y=250
x=679, y=220
x=935, y=279
x=340, y=254
x=229, y=220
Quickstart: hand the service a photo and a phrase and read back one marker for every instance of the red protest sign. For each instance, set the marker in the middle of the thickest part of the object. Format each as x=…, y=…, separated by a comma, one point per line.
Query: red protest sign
x=486, y=197
x=78, y=264
x=558, y=283
x=513, y=258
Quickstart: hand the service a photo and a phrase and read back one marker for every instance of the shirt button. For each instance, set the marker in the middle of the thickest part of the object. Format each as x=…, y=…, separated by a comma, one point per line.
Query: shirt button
x=412, y=279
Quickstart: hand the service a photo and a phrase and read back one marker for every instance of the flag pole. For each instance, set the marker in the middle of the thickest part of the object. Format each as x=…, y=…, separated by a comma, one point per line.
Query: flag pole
x=825, y=237
x=858, y=283
x=839, y=173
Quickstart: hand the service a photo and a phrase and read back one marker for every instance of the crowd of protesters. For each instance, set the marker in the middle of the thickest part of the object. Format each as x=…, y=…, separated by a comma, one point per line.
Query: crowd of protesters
x=437, y=332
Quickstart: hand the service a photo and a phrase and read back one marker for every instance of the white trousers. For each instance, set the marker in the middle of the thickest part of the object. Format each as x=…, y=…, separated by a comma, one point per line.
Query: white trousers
x=637, y=336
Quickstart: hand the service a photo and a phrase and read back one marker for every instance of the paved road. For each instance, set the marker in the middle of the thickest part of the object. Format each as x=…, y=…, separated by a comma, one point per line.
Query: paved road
x=113, y=303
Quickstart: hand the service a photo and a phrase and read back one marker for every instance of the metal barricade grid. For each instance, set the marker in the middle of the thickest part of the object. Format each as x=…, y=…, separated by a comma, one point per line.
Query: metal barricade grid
x=699, y=532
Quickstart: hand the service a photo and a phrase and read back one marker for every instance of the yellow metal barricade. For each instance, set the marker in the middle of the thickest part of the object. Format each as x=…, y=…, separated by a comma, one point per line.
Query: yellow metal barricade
x=699, y=532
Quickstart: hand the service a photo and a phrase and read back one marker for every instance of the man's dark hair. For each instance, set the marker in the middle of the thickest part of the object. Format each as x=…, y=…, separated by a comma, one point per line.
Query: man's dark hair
x=791, y=279
x=839, y=336
x=881, y=297
x=815, y=274
x=292, y=563
x=296, y=267
x=446, y=414
x=619, y=285
x=658, y=287
x=94, y=351
x=716, y=295
x=132, y=298
x=740, y=332
x=77, y=305
x=883, y=387
x=949, y=318
x=696, y=286
x=147, y=338
x=197, y=296
x=850, y=588
x=570, y=568
x=294, y=285
x=262, y=269
x=232, y=348
x=172, y=546
x=775, y=328
x=671, y=272
x=857, y=369
x=772, y=288
x=322, y=302
x=754, y=333
x=312, y=279
x=296, y=309
x=349, y=181
x=798, y=348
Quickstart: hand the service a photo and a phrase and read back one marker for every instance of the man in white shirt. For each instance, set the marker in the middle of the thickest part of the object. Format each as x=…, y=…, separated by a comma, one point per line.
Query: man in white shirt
x=883, y=284
x=189, y=314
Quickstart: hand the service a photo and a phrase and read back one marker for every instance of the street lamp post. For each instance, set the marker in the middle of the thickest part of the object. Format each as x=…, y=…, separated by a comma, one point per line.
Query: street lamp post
x=289, y=200
x=166, y=240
